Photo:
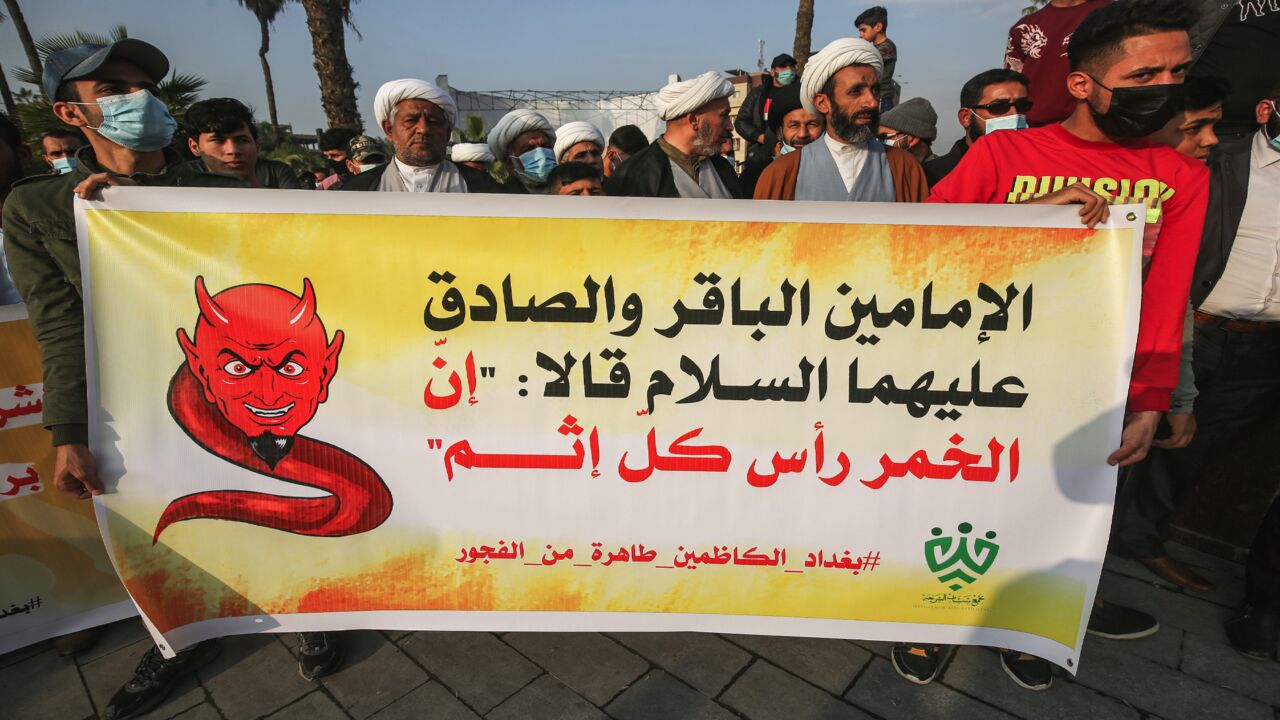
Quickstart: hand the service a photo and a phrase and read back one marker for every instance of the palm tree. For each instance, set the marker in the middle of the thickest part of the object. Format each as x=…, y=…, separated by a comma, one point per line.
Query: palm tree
x=326, y=20
x=49, y=44
x=804, y=29
x=1034, y=6
x=266, y=11
x=24, y=33
x=471, y=131
x=10, y=108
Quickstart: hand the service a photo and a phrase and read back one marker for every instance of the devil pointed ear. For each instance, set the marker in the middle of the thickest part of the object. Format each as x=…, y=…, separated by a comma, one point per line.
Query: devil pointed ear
x=305, y=311
x=330, y=364
x=193, y=362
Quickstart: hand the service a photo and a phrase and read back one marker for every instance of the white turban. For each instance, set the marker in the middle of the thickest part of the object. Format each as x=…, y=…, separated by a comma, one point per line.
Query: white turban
x=520, y=120
x=470, y=152
x=390, y=94
x=831, y=59
x=571, y=134
x=681, y=98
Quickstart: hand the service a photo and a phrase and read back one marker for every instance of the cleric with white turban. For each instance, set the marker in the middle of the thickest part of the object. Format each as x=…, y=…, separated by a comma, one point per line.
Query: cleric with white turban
x=391, y=93
x=685, y=161
x=525, y=139
x=836, y=56
x=580, y=141
x=471, y=153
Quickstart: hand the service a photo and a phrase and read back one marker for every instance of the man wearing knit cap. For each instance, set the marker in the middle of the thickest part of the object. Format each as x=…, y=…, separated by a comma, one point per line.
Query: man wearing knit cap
x=418, y=118
x=841, y=83
x=685, y=160
x=472, y=155
x=912, y=126
x=580, y=141
x=524, y=140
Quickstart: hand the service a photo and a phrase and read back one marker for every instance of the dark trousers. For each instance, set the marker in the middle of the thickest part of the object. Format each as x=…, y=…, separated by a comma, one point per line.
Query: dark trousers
x=1238, y=377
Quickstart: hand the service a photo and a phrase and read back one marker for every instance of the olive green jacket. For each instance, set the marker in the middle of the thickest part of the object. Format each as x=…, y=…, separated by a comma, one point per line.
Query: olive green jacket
x=40, y=243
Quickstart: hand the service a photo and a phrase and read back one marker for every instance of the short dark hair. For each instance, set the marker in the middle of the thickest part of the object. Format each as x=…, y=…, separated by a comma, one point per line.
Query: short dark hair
x=336, y=139
x=873, y=16
x=62, y=134
x=782, y=60
x=1100, y=34
x=971, y=92
x=218, y=115
x=9, y=134
x=629, y=139
x=572, y=172
x=1205, y=91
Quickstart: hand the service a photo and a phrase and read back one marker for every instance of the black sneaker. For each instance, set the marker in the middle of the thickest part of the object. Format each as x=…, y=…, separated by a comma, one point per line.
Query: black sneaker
x=1029, y=671
x=154, y=679
x=317, y=655
x=1117, y=622
x=1253, y=632
x=920, y=664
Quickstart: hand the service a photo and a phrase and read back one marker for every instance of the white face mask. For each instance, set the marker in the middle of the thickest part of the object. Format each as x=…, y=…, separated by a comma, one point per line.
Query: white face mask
x=367, y=168
x=1005, y=122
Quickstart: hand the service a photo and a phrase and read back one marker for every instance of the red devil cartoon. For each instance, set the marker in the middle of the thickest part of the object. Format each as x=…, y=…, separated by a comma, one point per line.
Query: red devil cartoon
x=258, y=368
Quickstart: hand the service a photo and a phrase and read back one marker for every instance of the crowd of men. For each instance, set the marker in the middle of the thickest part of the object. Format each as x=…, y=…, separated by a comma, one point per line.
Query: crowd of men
x=1098, y=103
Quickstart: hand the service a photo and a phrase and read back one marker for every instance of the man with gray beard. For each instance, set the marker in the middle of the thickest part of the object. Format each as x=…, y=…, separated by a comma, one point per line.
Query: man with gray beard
x=841, y=83
x=685, y=161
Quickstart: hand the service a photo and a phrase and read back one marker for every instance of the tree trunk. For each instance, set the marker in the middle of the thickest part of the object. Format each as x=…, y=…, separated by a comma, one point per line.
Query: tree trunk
x=10, y=107
x=804, y=29
x=24, y=34
x=266, y=75
x=328, y=44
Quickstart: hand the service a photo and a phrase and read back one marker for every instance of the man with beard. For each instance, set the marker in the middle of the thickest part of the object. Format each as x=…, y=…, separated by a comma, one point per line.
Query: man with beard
x=13, y=155
x=580, y=141
x=1128, y=61
x=841, y=83
x=524, y=140
x=418, y=117
x=791, y=125
x=989, y=101
x=685, y=160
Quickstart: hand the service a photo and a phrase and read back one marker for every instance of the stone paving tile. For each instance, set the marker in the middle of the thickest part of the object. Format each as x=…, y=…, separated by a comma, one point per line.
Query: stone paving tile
x=829, y=664
x=109, y=673
x=375, y=674
x=432, y=700
x=881, y=691
x=875, y=647
x=1158, y=689
x=765, y=692
x=703, y=660
x=1165, y=647
x=1228, y=583
x=203, y=711
x=254, y=676
x=316, y=706
x=977, y=672
x=546, y=697
x=1203, y=560
x=659, y=696
x=1223, y=666
x=482, y=669
x=30, y=651
x=114, y=636
x=43, y=687
x=1170, y=608
x=591, y=664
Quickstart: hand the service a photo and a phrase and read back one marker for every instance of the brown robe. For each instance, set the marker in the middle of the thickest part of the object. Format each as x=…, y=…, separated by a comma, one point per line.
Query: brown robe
x=778, y=181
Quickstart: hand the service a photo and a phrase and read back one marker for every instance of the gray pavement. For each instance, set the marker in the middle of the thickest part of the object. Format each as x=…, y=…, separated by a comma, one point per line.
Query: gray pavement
x=1184, y=671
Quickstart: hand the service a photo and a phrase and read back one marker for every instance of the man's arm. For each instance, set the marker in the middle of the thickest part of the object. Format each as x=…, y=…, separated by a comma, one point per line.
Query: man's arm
x=1181, y=406
x=745, y=123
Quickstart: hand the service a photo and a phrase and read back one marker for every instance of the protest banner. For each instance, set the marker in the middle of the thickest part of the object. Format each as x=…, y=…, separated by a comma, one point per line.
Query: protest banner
x=55, y=576
x=317, y=411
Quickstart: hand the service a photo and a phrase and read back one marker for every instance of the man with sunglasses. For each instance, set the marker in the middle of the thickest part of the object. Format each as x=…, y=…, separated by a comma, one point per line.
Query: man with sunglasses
x=1128, y=61
x=989, y=101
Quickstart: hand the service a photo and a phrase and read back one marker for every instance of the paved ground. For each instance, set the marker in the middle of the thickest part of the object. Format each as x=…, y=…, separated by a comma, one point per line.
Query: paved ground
x=1185, y=671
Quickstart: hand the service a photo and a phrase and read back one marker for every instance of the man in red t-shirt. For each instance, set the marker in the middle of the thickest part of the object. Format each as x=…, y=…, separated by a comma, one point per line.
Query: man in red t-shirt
x=1127, y=64
x=1037, y=48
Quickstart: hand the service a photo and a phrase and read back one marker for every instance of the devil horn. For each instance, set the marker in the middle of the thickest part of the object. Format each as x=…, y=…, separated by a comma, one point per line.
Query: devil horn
x=305, y=311
x=209, y=309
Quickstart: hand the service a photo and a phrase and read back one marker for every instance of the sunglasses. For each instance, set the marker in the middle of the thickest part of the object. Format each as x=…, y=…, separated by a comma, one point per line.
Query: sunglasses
x=1002, y=107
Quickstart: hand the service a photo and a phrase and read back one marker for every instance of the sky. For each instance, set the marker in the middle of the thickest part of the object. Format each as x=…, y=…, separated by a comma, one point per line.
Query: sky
x=516, y=44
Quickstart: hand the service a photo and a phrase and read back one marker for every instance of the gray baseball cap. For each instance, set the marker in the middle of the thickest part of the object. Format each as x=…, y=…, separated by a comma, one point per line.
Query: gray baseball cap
x=82, y=60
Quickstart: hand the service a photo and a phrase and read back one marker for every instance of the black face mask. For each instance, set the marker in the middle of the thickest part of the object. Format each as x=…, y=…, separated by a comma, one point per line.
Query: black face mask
x=1138, y=111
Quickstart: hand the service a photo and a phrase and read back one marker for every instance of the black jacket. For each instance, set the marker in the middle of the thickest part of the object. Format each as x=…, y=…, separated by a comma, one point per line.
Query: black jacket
x=750, y=123
x=1228, y=190
x=477, y=181
x=1208, y=17
x=648, y=174
x=941, y=166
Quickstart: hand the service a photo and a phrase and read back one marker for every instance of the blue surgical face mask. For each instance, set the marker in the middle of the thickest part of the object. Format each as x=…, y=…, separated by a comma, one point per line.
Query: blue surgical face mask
x=1273, y=142
x=64, y=165
x=786, y=77
x=138, y=121
x=1006, y=122
x=786, y=149
x=538, y=163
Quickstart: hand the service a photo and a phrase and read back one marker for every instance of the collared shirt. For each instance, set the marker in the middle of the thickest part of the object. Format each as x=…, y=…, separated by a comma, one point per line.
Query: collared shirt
x=682, y=161
x=441, y=177
x=1249, y=288
x=849, y=159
